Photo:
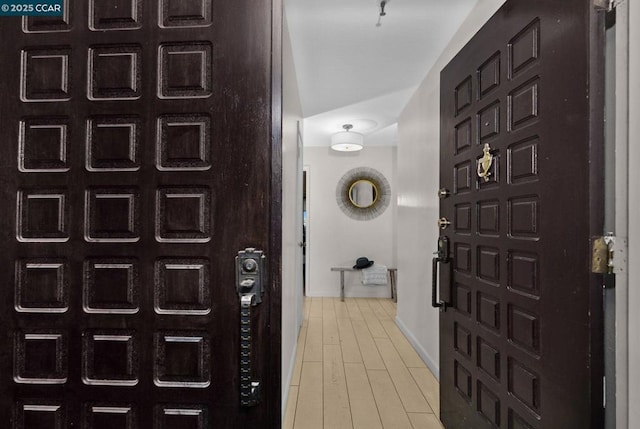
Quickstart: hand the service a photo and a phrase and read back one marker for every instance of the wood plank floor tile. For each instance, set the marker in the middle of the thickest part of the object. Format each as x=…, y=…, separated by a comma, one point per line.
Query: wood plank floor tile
x=315, y=309
x=348, y=342
x=309, y=411
x=424, y=421
x=292, y=403
x=297, y=366
x=375, y=327
x=341, y=309
x=410, y=357
x=337, y=412
x=354, y=310
x=368, y=349
x=429, y=387
x=378, y=309
x=330, y=330
x=389, y=307
x=390, y=408
x=313, y=345
x=410, y=394
x=364, y=411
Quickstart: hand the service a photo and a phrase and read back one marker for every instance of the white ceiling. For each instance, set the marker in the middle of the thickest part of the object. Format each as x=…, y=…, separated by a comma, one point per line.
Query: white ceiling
x=350, y=70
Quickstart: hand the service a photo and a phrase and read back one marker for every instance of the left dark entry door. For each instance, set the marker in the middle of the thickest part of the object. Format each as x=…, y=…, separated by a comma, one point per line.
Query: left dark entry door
x=136, y=161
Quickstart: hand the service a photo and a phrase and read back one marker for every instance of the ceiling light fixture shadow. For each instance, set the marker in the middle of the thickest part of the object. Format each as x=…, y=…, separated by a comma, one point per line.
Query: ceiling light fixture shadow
x=347, y=141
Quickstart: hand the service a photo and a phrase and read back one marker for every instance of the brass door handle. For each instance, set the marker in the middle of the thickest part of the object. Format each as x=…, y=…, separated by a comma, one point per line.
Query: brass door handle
x=484, y=163
x=443, y=223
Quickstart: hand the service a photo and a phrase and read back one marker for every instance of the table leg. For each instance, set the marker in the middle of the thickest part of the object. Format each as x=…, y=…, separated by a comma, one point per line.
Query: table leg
x=342, y=286
x=394, y=292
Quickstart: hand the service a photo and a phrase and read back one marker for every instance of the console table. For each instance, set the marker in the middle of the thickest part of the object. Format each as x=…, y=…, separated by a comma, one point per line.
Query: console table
x=392, y=280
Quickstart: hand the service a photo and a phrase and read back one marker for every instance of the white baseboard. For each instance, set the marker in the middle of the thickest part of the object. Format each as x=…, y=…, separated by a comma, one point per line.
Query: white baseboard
x=286, y=383
x=428, y=360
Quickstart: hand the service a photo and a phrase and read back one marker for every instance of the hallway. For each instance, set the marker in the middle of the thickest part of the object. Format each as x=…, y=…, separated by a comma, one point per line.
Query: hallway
x=355, y=369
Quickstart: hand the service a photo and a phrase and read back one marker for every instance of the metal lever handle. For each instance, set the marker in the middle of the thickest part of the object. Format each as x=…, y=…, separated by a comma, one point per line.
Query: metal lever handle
x=250, y=268
x=249, y=389
x=442, y=256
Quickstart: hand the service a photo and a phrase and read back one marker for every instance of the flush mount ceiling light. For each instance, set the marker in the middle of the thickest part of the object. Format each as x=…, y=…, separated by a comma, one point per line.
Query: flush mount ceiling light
x=347, y=141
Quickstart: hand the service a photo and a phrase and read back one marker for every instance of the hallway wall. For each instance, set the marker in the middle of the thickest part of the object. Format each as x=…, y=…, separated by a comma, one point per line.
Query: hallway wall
x=418, y=164
x=634, y=213
x=334, y=239
x=291, y=215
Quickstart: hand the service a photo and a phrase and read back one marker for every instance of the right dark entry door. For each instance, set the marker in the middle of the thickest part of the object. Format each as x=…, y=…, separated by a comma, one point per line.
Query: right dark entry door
x=520, y=344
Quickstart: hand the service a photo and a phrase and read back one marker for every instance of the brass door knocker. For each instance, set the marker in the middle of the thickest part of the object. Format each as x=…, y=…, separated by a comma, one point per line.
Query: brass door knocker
x=484, y=163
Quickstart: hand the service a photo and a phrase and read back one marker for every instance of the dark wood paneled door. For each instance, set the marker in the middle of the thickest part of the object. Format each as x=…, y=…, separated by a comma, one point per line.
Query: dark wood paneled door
x=521, y=340
x=139, y=147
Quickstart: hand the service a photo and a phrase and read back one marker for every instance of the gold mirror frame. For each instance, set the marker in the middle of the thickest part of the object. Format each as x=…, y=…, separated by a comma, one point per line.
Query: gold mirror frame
x=355, y=209
x=354, y=194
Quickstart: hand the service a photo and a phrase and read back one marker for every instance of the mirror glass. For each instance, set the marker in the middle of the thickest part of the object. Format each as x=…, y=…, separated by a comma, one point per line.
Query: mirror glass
x=363, y=193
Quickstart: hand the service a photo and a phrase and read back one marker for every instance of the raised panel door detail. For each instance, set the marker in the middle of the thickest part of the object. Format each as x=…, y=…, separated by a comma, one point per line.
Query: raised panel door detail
x=488, y=358
x=184, y=142
x=462, y=177
x=488, y=311
x=463, y=94
x=462, y=259
x=115, y=72
x=462, y=218
x=488, y=404
x=524, y=48
x=182, y=360
x=489, y=75
x=462, y=298
x=112, y=214
x=49, y=24
x=462, y=380
x=110, y=358
x=110, y=286
x=489, y=264
x=462, y=339
x=524, y=384
x=45, y=74
x=185, y=70
x=522, y=160
x=182, y=286
x=40, y=357
x=489, y=217
x=524, y=329
x=115, y=14
x=42, y=215
x=109, y=416
x=523, y=105
x=113, y=143
x=42, y=285
x=43, y=145
x=183, y=215
x=523, y=217
x=39, y=415
x=523, y=273
x=181, y=417
x=185, y=13
x=463, y=136
x=517, y=422
x=489, y=122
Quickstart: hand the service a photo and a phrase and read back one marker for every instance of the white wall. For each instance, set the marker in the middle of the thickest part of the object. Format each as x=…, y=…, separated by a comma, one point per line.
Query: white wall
x=291, y=215
x=333, y=238
x=418, y=177
x=634, y=213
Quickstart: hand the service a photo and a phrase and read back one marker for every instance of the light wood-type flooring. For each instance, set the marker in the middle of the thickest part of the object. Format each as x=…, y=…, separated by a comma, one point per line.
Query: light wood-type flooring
x=355, y=369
